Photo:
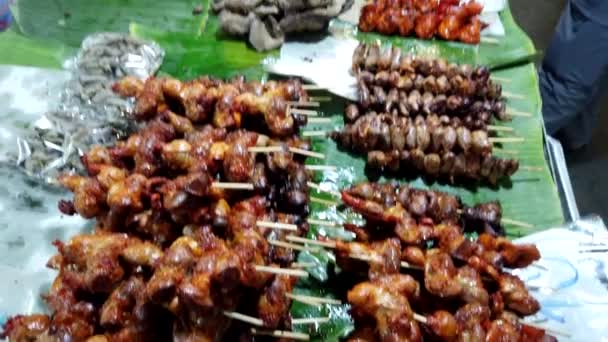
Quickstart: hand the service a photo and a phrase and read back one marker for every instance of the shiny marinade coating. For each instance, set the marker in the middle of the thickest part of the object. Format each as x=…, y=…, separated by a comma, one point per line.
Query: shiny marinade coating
x=477, y=121
x=455, y=85
x=409, y=103
x=437, y=205
x=387, y=132
x=117, y=287
x=223, y=104
x=447, y=19
x=445, y=165
x=373, y=58
x=161, y=177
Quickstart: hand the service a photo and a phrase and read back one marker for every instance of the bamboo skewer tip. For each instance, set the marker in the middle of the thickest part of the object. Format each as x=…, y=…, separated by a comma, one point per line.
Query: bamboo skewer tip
x=232, y=186
x=306, y=153
x=277, y=225
x=244, y=318
x=281, y=333
x=278, y=270
x=318, y=300
x=318, y=120
x=310, y=320
x=323, y=201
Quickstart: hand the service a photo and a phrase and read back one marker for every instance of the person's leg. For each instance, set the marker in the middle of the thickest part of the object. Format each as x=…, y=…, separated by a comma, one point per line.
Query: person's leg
x=574, y=65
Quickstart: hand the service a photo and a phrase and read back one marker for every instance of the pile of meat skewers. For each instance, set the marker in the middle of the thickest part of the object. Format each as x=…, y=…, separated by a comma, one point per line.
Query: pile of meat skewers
x=389, y=80
x=424, y=115
x=186, y=214
x=425, y=279
x=425, y=19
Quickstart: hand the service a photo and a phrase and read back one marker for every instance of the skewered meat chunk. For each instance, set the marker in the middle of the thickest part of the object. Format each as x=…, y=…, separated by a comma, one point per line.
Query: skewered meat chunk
x=432, y=18
x=391, y=311
x=224, y=104
x=273, y=305
x=387, y=132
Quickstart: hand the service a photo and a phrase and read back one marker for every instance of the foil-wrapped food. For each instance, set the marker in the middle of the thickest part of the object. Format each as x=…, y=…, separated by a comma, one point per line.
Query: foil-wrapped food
x=90, y=112
x=267, y=22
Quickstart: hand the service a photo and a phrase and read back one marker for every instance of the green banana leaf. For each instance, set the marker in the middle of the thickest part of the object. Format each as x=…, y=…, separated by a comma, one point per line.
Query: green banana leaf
x=189, y=56
x=514, y=47
x=69, y=21
x=44, y=54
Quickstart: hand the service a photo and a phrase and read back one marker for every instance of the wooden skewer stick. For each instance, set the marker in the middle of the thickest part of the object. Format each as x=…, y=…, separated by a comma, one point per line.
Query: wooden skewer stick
x=303, y=112
x=420, y=318
x=311, y=87
x=311, y=320
x=314, y=133
x=324, y=223
x=513, y=112
x=319, y=300
x=306, y=153
x=328, y=244
x=320, y=167
x=501, y=79
x=277, y=225
x=319, y=98
x=293, y=246
x=319, y=120
x=506, y=140
x=320, y=189
x=516, y=223
x=278, y=270
x=266, y=149
x=424, y=320
x=303, y=104
x=531, y=168
x=282, y=334
x=303, y=264
x=488, y=40
x=500, y=128
x=323, y=201
x=232, y=186
x=306, y=301
x=512, y=96
x=244, y=318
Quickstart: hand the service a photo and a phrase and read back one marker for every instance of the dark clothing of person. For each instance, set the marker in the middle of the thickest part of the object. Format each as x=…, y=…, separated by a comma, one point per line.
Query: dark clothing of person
x=574, y=72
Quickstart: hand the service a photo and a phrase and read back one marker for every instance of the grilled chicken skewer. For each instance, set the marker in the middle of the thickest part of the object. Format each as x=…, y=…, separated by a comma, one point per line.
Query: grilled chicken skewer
x=224, y=104
x=424, y=19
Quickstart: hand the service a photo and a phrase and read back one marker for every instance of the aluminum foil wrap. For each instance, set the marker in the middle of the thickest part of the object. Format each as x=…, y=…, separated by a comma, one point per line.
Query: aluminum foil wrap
x=90, y=113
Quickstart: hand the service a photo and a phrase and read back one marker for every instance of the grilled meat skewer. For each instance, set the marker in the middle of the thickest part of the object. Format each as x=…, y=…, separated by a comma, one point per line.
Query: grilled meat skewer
x=387, y=132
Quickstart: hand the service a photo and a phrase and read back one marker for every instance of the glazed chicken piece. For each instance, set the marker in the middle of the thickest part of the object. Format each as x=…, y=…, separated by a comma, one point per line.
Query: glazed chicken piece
x=440, y=274
x=512, y=255
x=390, y=310
x=90, y=262
x=273, y=305
x=26, y=328
x=471, y=318
x=443, y=324
x=363, y=334
x=89, y=196
x=516, y=295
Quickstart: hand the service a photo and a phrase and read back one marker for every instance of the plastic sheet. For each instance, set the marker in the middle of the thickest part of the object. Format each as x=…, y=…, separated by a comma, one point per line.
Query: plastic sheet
x=89, y=112
x=573, y=290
